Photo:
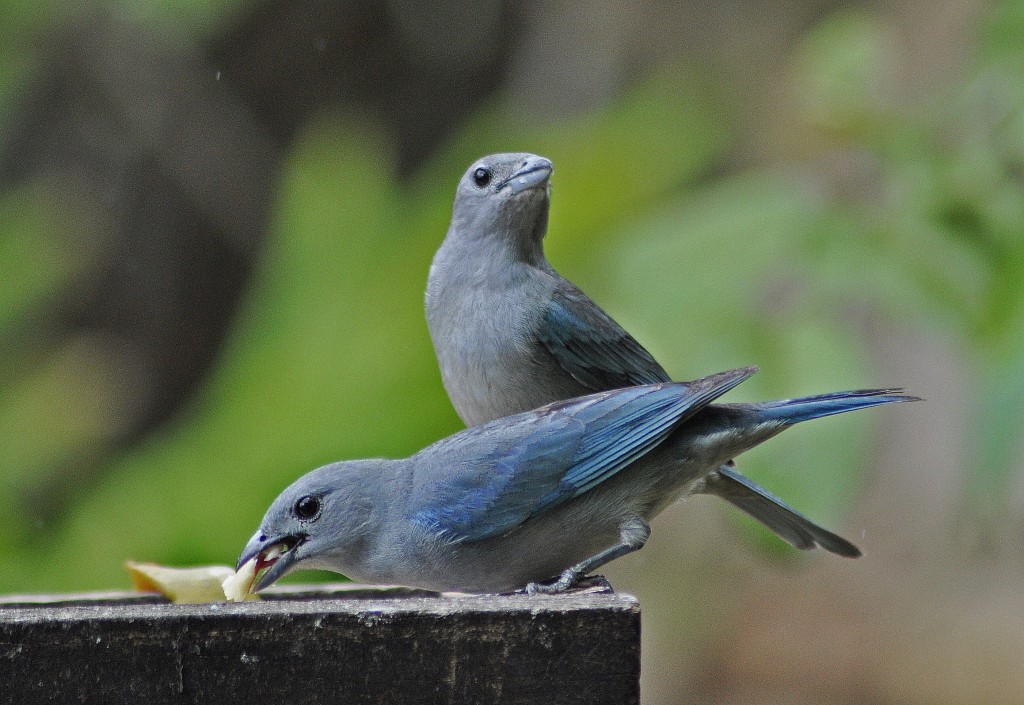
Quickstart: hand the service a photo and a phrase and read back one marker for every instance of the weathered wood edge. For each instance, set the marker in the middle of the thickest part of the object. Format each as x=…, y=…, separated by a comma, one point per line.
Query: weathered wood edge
x=323, y=645
x=305, y=599
x=280, y=592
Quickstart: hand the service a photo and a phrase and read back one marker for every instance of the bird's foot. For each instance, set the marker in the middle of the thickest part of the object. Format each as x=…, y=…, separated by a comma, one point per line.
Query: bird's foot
x=556, y=587
x=570, y=581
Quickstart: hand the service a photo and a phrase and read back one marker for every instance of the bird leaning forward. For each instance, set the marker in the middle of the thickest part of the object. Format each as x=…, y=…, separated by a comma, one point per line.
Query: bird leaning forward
x=537, y=500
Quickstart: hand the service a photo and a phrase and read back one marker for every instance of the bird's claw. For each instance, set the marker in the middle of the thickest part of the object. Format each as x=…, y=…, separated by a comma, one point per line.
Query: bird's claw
x=564, y=582
x=570, y=580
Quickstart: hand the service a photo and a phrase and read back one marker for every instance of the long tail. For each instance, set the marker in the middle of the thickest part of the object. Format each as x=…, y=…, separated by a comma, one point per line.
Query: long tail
x=789, y=524
x=767, y=419
x=791, y=411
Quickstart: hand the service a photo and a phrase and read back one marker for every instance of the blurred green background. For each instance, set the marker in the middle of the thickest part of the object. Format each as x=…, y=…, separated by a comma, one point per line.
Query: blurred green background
x=216, y=220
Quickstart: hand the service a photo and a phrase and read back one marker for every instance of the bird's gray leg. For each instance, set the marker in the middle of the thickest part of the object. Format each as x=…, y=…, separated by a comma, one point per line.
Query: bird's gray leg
x=633, y=534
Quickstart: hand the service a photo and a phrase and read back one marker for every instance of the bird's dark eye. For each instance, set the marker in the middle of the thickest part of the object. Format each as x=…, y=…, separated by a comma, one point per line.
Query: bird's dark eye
x=482, y=177
x=307, y=507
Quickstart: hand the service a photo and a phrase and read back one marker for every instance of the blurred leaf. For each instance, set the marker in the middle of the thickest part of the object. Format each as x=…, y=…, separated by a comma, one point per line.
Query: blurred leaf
x=50, y=401
x=842, y=73
x=1002, y=38
x=34, y=248
x=997, y=444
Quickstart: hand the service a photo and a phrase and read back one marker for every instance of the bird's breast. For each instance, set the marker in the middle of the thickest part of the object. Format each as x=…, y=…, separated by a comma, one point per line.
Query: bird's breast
x=483, y=325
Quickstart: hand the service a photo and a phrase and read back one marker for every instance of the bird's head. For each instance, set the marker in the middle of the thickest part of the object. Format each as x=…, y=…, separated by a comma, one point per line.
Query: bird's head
x=506, y=195
x=320, y=521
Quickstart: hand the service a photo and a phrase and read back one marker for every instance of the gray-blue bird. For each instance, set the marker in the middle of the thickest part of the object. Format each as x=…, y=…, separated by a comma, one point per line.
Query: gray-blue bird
x=511, y=334
x=550, y=494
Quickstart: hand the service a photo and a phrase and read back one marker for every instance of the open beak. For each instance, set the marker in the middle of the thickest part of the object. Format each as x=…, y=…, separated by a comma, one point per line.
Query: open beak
x=535, y=173
x=274, y=556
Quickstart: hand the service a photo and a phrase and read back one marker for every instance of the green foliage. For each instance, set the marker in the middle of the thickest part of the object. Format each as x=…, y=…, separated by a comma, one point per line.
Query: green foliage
x=943, y=235
x=42, y=251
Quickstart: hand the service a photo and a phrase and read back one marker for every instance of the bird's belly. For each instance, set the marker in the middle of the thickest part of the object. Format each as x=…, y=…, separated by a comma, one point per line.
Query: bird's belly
x=509, y=563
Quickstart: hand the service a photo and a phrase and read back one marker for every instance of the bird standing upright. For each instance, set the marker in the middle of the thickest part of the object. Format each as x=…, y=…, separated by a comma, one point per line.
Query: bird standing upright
x=511, y=334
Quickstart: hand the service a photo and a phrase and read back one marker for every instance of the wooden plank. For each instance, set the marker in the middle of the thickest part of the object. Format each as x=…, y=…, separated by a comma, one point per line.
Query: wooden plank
x=364, y=646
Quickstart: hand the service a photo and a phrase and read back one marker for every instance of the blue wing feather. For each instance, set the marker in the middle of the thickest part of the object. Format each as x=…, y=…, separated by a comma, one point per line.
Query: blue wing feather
x=543, y=458
x=588, y=344
x=480, y=495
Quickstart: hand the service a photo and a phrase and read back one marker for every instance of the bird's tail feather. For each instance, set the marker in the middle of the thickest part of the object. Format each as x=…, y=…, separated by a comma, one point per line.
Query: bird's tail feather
x=792, y=411
x=762, y=505
x=789, y=524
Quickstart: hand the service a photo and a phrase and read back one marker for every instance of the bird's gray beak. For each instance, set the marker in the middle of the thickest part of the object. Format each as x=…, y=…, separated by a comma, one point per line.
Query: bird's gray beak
x=275, y=556
x=534, y=173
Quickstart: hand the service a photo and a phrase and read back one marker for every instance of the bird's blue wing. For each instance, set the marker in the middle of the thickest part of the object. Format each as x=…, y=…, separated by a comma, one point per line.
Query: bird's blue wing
x=592, y=347
x=554, y=454
x=492, y=488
